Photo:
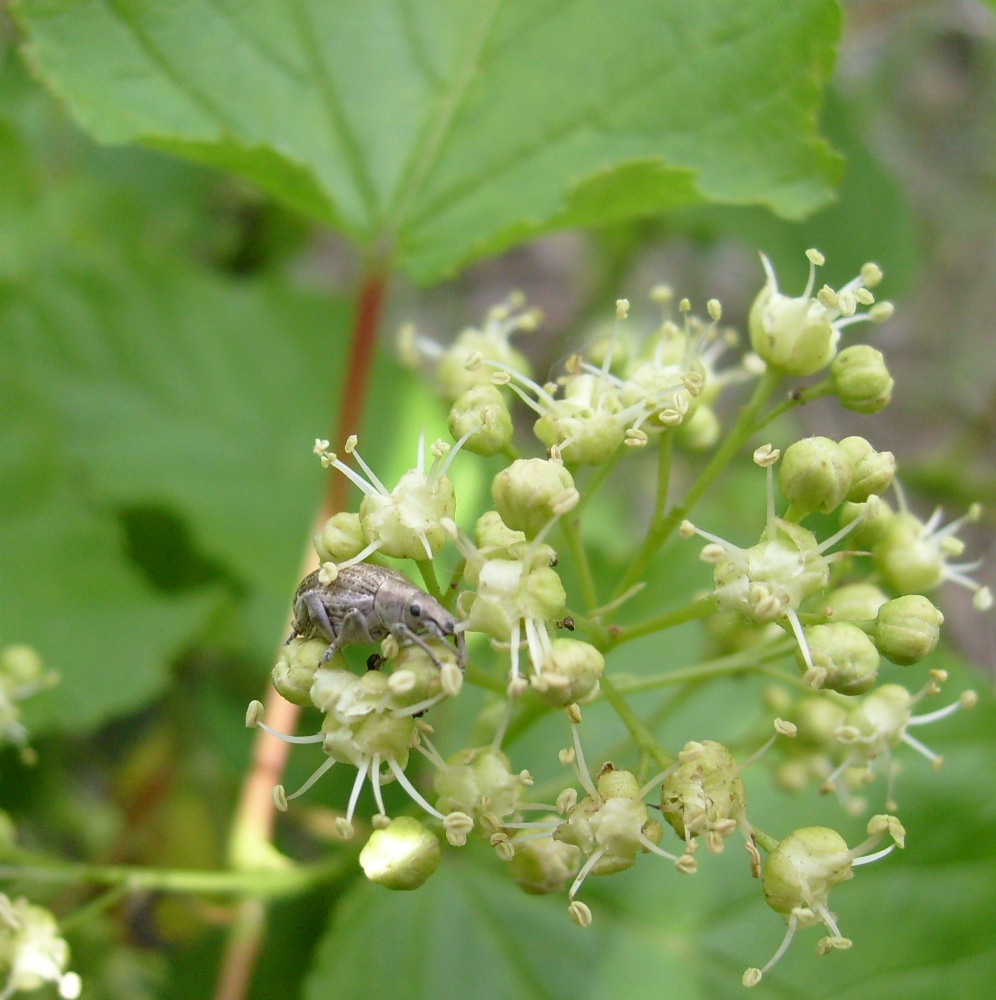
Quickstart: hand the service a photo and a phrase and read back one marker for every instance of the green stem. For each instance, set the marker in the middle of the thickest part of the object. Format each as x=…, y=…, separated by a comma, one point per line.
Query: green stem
x=451, y=591
x=696, y=609
x=797, y=397
x=734, y=441
x=428, y=572
x=664, y=452
x=600, y=636
x=289, y=881
x=734, y=663
x=642, y=736
x=764, y=840
x=569, y=526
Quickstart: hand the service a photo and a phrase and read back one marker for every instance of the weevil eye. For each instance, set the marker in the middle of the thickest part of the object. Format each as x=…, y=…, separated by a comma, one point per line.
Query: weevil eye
x=415, y=610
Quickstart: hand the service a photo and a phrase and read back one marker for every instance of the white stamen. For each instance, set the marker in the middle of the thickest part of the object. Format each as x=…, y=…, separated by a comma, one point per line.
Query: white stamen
x=326, y=765
x=411, y=790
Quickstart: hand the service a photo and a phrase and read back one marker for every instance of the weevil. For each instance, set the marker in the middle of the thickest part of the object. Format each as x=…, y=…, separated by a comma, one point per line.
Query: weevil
x=367, y=603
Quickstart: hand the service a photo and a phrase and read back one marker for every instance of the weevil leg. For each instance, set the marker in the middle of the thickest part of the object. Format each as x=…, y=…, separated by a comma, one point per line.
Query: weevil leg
x=461, y=645
x=353, y=629
x=404, y=633
x=319, y=616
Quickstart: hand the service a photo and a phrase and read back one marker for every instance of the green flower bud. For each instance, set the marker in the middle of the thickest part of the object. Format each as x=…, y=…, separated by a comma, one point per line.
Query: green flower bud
x=585, y=438
x=569, y=675
x=880, y=719
x=817, y=720
x=873, y=470
x=455, y=378
x=340, y=539
x=483, y=411
x=861, y=380
x=704, y=794
x=906, y=559
x=871, y=530
x=530, y=492
x=294, y=672
x=907, y=629
x=844, y=658
x=815, y=475
x=804, y=867
x=402, y=855
x=700, y=431
x=857, y=602
x=544, y=865
x=479, y=781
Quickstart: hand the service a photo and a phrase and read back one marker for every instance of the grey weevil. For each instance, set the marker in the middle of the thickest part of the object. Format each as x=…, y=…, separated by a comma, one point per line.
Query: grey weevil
x=367, y=603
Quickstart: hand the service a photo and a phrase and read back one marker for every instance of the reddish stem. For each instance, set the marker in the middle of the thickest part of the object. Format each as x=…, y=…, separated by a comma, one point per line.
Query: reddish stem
x=255, y=815
x=354, y=390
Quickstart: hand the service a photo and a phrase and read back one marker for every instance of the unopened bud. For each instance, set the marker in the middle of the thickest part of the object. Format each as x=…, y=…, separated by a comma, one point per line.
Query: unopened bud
x=482, y=412
x=907, y=629
x=847, y=657
x=815, y=475
x=525, y=492
x=861, y=380
x=873, y=470
x=340, y=539
x=570, y=673
x=400, y=856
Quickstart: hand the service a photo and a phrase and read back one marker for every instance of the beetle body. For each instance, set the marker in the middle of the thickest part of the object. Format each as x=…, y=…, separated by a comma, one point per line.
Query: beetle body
x=367, y=603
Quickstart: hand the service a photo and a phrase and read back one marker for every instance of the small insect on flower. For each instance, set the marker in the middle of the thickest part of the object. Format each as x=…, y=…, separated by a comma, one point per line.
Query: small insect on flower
x=367, y=603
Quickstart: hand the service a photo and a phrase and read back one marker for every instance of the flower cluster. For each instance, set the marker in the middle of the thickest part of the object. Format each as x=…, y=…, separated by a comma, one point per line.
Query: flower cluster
x=854, y=617
x=31, y=951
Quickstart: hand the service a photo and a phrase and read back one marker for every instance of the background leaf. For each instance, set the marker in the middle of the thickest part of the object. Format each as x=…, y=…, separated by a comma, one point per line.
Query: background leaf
x=448, y=131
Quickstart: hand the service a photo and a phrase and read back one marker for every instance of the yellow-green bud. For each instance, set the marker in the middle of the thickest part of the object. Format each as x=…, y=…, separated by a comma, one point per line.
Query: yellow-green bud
x=817, y=720
x=906, y=560
x=803, y=867
x=907, y=629
x=873, y=470
x=870, y=531
x=861, y=380
x=700, y=431
x=529, y=492
x=856, y=602
x=570, y=673
x=294, y=672
x=815, y=475
x=544, y=865
x=455, y=378
x=844, y=658
x=340, y=539
x=402, y=855
x=483, y=411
